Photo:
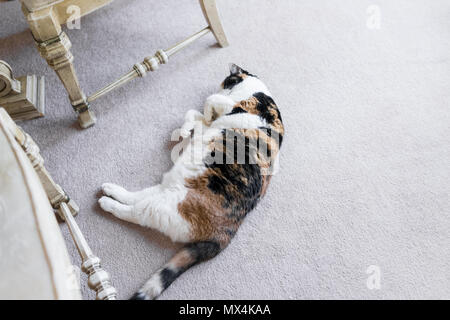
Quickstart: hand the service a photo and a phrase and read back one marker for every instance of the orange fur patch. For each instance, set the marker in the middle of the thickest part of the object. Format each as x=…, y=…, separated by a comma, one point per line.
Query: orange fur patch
x=201, y=208
x=181, y=260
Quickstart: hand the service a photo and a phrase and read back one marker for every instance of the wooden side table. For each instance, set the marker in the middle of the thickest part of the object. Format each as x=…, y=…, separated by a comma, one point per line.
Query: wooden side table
x=45, y=18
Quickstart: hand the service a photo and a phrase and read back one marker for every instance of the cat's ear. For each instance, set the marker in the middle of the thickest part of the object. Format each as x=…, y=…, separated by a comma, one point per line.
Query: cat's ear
x=235, y=69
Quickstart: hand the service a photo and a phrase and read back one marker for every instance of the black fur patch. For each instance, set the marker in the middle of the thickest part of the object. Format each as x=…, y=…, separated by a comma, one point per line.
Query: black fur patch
x=248, y=73
x=265, y=104
x=239, y=184
x=276, y=136
x=138, y=296
x=203, y=250
x=237, y=110
x=231, y=81
x=168, y=276
x=280, y=139
x=279, y=115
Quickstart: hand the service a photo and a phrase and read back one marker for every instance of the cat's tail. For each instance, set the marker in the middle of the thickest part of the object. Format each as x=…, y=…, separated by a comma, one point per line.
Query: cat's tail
x=188, y=256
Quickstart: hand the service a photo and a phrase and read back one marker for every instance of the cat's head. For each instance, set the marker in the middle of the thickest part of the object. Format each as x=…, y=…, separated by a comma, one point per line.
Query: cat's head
x=241, y=84
x=237, y=75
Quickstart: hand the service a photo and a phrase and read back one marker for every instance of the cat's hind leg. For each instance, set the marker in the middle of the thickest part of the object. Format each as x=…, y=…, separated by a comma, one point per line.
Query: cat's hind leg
x=157, y=208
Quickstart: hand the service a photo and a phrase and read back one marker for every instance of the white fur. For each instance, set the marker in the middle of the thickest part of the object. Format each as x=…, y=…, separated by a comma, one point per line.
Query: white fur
x=239, y=120
x=245, y=89
x=217, y=105
x=157, y=207
x=190, y=120
x=153, y=287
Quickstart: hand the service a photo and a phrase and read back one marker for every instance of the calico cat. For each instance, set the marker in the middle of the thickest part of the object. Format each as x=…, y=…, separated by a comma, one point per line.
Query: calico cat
x=203, y=199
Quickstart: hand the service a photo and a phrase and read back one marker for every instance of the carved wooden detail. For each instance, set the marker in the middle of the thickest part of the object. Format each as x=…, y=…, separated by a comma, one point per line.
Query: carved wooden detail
x=54, y=46
x=55, y=193
x=23, y=98
x=98, y=279
x=150, y=63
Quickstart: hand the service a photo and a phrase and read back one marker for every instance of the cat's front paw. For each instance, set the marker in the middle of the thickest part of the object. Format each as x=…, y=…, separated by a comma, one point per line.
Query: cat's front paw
x=186, y=130
x=216, y=105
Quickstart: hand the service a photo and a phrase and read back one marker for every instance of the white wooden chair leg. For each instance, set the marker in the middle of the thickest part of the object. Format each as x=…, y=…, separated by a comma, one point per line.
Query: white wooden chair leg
x=211, y=14
x=98, y=279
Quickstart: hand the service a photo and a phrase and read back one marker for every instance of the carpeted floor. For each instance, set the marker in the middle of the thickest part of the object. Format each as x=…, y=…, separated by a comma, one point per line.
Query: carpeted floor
x=365, y=167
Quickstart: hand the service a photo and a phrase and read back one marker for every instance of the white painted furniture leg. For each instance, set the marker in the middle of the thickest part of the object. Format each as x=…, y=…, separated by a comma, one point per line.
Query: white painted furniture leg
x=211, y=14
x=149, y=64
x=23, y=98
x=98, y=279
x=34, y=260
x=152, y=63
x=54, y=46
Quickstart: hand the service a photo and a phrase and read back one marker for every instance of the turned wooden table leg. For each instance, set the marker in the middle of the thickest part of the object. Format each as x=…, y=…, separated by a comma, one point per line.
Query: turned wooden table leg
x=54, y=46
x=209, y=8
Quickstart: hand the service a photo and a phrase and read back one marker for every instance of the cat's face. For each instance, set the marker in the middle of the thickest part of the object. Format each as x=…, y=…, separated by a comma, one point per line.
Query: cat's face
x=241, y=85
x=237, y=76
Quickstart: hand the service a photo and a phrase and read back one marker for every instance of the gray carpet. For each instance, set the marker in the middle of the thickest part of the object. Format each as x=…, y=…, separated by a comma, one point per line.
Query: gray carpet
x=365, y=172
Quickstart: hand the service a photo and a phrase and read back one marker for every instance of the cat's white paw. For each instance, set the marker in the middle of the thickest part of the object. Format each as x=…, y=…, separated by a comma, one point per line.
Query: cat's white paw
x=218, y=99
x=118, y=193
x=110, y=189
x=120, y=210
x=193, y=115
x=107, y=204
x=185, y=132
x=152, y=288
x=216, y=105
